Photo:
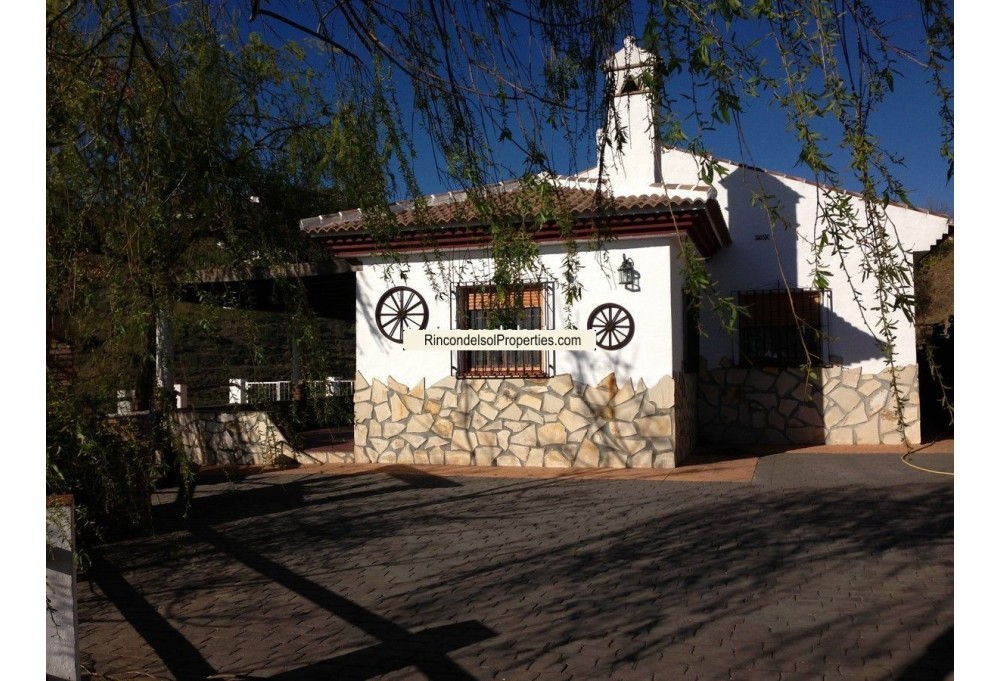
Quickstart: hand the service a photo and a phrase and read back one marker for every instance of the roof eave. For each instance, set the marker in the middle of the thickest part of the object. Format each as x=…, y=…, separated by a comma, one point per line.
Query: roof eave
x=702, y=222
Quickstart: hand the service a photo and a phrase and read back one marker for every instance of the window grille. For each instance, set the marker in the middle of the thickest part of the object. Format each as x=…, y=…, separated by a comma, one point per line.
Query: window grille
x=478, y=307
x=784, y=327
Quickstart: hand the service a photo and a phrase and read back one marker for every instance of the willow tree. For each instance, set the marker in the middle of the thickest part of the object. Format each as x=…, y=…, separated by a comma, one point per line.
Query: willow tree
x=502, y=75
x=197, y=133
x=176, y=141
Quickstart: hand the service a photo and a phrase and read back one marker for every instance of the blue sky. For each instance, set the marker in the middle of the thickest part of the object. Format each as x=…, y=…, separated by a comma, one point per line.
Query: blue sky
x=910, y=122
x=907, y=124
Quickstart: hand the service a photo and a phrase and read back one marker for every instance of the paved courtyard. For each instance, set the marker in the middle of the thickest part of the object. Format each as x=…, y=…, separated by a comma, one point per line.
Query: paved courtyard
x=814, y=567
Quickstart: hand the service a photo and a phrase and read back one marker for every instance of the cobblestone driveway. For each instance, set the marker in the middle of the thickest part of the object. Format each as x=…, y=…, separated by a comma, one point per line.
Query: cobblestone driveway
x=417, y=576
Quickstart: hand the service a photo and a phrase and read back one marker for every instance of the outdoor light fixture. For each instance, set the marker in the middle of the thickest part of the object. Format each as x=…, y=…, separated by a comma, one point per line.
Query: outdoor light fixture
x=627, y=276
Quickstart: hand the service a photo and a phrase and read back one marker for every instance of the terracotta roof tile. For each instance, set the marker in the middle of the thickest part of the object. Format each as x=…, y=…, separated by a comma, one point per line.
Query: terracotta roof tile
x=508, y=200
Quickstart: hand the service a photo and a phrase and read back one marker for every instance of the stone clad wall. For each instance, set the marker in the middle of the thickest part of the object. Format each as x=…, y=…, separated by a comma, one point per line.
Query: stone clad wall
x=62, y=640
x=230, y=437
x=553, y=422
x=771, y=405
x=778, y=405
x=686, y=415
x=860, y=408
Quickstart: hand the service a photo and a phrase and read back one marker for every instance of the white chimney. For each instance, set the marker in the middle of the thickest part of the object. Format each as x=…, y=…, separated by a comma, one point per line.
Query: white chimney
x=632, y=147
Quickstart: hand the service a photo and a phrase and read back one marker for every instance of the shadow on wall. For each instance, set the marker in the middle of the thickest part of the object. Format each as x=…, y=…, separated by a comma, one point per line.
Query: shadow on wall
x=771, y=405
x=850, y=345
x=762, y=254
x=366, y=305
x=738, y=404
x=229, y=436
x=743, y=404
x=587, y=364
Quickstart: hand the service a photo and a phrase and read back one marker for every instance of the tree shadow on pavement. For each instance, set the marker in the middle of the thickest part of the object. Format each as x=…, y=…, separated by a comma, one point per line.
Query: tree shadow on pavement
x=523, y=578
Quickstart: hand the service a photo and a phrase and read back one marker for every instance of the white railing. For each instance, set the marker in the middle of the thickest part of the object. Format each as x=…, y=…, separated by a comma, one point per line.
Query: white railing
x=249, y=392
x=333, y=386
x=123, y=403
x=268, y=391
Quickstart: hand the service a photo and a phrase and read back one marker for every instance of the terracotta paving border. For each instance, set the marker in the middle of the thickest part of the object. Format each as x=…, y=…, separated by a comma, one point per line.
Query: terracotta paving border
x=724, y=464
x=708, y=468
x=741, y=470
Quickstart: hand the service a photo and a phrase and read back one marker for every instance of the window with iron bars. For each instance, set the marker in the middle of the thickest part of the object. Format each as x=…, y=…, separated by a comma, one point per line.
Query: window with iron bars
x=783, y=327
x=478, y=307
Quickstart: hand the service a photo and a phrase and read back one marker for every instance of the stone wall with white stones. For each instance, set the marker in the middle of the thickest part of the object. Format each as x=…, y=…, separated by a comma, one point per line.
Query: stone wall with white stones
x=780, y=405
x=860, y=408
x=212, y=437
x=552, y=422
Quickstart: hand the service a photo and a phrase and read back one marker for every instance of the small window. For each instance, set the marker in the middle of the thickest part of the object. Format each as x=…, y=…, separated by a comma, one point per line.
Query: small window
x=629, y=86
x=479, y=308
x=782, y=327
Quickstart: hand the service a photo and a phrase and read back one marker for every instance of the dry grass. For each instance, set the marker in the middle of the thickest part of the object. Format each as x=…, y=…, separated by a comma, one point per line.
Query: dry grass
x=935, y=285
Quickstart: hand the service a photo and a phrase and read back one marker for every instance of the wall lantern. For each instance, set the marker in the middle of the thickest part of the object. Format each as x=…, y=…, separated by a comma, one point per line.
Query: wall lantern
x=627, y=276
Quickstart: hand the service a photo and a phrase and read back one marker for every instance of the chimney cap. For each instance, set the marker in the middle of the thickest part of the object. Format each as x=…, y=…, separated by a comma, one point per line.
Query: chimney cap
x=630, y=56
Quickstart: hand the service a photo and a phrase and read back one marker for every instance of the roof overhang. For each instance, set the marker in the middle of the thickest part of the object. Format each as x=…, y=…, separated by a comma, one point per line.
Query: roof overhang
x=701, y=221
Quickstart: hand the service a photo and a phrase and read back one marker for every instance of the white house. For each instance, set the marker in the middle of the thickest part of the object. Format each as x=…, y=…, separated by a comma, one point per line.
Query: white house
x=653, y=387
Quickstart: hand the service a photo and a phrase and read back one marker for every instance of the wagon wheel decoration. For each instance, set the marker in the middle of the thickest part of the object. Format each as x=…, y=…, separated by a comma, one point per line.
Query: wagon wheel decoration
x=613, y=326
x=398, y=309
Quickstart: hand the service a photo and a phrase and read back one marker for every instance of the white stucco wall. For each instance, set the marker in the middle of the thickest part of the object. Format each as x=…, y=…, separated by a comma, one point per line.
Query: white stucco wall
x=654, y=351
x=786, y=257
x=640, y=167
x=657, y=308
x=752, y=264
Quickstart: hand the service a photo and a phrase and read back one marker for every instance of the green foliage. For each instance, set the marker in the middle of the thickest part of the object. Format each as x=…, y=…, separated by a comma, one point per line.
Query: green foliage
x=179, y=140
x=106, y=463
x=177, y=143
x=827, y=66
